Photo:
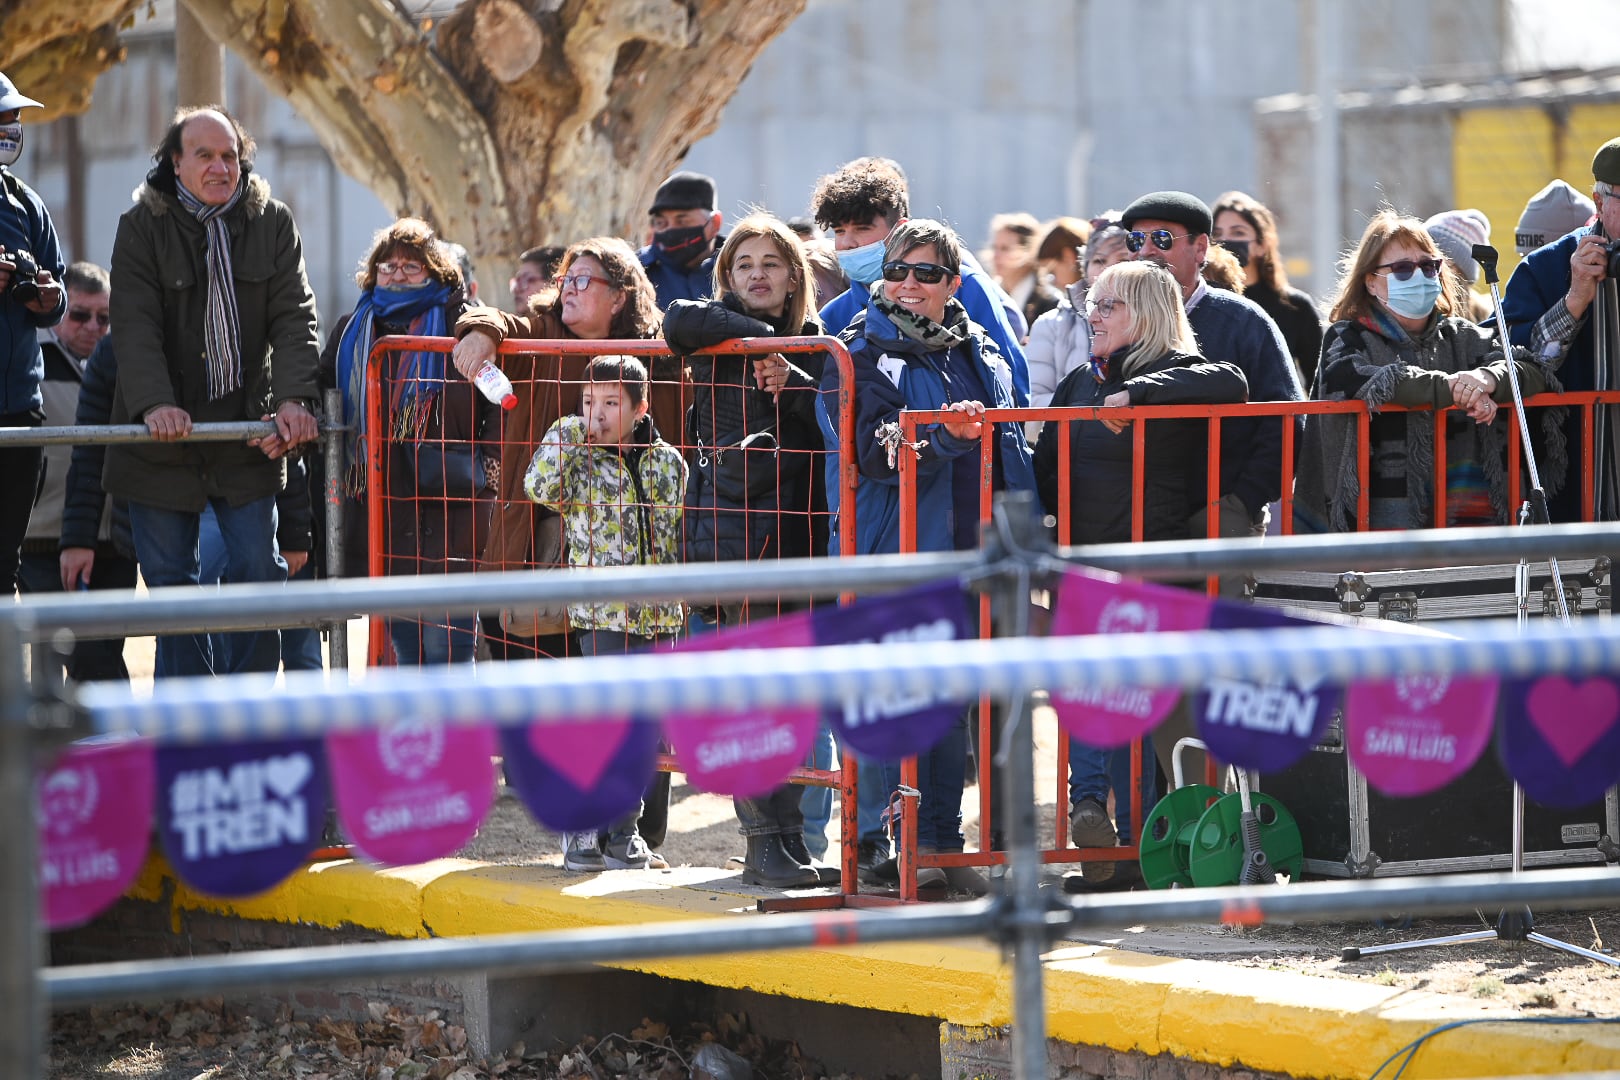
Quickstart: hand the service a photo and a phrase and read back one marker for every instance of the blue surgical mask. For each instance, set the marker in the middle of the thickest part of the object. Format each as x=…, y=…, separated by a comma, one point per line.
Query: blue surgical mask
x=1413, y=298
x=863, y=264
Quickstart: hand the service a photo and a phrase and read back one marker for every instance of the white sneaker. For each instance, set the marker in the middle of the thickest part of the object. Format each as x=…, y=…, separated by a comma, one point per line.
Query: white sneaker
x=626, y=853
x=583, y=852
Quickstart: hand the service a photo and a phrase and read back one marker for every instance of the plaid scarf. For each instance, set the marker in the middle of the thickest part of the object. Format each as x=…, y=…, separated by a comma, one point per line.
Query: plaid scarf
x=222, y=327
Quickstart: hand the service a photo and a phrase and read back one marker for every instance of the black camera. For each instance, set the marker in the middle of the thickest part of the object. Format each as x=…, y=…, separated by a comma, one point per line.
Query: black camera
x=1611, y=251
x=24, y=274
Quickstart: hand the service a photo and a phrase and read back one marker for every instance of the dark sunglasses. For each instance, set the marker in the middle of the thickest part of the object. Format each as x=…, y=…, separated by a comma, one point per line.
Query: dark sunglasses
x=927, y=273
x=1163, y=239
x=1402, y=269
x=81, y=315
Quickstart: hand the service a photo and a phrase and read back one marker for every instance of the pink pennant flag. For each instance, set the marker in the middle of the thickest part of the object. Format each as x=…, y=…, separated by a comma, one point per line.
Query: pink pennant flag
x=412, y=790
x=94, y=822
x=1417, y=733
x=1090, y=602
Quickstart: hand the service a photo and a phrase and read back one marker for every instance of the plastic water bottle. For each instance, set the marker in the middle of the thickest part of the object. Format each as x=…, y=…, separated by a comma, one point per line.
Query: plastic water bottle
x=493, y=384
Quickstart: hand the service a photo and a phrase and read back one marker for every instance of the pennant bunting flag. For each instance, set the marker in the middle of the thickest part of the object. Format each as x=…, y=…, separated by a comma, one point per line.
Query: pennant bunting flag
x=1560, y=737
x=1417, y=733
x=580, y=774
x=94, y=823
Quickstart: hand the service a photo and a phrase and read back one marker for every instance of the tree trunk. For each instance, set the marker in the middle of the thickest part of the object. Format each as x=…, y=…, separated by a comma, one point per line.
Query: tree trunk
x=507, y=125
x=54, y=52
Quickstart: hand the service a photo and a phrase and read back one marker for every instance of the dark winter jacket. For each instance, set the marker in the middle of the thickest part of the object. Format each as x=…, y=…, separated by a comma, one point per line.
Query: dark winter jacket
x=672, y=282
x=1100, y=468
x=429, y=532
x=753, y=459
x=1233, y=330
x=893, y=372
x=85, y=503
x=159, y=297
x=1301, y=324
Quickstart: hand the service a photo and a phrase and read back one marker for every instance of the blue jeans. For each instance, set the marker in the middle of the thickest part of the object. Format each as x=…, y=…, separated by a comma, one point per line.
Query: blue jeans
x=816, y=803
x=167, y=548
x=940, y=775
x=419, y=642
x=1093, y=772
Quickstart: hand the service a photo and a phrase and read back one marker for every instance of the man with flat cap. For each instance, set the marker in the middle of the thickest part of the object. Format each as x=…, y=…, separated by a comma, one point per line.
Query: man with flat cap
x=31, y=299
x=1548, y=307
x=685, y=238
x=1172, y=229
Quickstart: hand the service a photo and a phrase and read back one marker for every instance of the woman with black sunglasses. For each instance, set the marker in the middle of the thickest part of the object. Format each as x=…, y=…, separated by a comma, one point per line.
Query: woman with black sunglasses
x=1400, y=336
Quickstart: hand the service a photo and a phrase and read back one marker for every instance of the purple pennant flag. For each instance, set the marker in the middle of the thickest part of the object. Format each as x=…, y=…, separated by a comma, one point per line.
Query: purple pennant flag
x=237, y=818
x=94, y=819
x=413, y=789
x=897, y=726
x=745, y=754
x=1092, y=602
x=1560, y=737
x=584, y=774
x=1414, y=734
x=1262, y=725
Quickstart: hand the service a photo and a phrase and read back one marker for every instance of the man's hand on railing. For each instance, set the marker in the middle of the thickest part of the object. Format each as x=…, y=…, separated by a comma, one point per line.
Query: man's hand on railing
x=76, y=564
x=168, y=423
x=295, y=426
x=472, y=352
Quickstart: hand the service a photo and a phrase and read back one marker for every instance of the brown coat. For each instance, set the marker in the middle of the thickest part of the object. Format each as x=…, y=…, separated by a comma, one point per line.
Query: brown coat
x=547, y=387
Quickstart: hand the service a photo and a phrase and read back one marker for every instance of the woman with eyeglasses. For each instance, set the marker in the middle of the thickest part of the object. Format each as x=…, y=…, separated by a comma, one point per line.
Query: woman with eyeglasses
x=1142, y=353
x=914, y=347
x=439, y=432
x=1400, y=336
x=601, y=292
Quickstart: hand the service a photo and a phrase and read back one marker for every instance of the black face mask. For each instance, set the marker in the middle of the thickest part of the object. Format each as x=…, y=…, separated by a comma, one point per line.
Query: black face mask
x=682, y=245
x=1239, y=249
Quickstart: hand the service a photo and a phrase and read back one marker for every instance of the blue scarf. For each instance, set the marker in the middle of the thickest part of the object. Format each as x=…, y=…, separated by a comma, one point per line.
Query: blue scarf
x=417, y=380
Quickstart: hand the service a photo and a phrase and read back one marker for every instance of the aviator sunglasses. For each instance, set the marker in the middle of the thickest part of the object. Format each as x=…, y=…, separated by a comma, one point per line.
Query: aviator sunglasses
x=1163, y=239
x=1403, y=269
x=81, y=315
x=927, y=273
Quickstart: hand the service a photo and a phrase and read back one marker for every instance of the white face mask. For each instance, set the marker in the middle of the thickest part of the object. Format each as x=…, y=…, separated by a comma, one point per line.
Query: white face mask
x=11, y=142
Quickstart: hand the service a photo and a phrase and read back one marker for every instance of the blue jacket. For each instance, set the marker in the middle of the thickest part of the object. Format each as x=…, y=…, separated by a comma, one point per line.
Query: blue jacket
x=25, y=225
x=893, y=372
x=1232, y=330
x=672, y=282
x=981, y=297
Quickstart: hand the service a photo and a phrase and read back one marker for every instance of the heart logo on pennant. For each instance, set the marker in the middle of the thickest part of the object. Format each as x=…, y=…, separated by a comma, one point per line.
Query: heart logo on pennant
x=286, y=775
x=1090, y=602
x=1560, y=739
x=1573, y=718
x=580, y=751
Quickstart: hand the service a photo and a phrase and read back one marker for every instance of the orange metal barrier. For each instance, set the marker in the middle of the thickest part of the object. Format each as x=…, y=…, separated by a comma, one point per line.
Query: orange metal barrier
x=379, y=438
x=1061, y=851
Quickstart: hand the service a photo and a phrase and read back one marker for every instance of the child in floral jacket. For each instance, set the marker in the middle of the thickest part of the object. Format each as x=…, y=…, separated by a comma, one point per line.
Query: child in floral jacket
x=618, y=486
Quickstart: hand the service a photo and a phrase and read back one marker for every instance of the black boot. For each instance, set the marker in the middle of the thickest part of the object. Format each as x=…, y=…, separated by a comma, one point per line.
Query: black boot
x=793, y=844
x=769, y=864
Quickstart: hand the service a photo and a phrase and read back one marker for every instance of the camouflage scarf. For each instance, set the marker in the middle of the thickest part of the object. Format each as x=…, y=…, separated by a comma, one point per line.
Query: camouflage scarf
x=921, y=328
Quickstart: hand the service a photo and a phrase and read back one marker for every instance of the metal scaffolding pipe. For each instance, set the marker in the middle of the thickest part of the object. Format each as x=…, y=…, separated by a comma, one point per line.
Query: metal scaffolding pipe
x=565, y=950
x=521, y=692
x=88, y=434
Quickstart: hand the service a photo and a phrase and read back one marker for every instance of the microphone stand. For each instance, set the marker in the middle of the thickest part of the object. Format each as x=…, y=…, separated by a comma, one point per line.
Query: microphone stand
x=1512, y=924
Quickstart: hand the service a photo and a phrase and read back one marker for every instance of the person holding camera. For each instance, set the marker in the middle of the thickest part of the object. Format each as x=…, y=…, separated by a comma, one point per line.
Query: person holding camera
x=30, y=300
x=1548, y=307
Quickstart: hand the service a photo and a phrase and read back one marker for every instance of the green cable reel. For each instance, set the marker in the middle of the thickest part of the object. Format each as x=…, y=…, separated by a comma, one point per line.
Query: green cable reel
x=1190, y=840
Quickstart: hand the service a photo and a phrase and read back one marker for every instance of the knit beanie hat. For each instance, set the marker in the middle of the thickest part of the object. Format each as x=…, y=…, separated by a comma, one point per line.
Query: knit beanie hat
x=1554, y=211
x=1456, y=232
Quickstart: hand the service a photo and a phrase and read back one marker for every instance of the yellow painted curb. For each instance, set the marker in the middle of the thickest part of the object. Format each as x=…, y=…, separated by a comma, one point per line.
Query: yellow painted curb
x=1202, y=1010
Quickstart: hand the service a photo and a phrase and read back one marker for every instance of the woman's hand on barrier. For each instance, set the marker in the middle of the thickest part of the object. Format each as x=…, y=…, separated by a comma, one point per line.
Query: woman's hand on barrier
x=1471, y=391
x=969, y=426
x=76, y=563
x=1117, y=400
x=771, y=373
x=472, y=352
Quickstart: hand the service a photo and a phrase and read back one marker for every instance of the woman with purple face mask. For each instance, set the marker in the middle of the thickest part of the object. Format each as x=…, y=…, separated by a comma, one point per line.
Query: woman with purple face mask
x=1397, y=338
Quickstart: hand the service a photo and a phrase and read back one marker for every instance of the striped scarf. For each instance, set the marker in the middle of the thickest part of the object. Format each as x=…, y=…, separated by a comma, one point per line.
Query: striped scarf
x=222, y=344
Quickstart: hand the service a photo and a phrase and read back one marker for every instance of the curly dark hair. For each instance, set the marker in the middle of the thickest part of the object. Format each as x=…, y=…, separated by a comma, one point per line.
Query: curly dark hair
x=415, y=236
x=172, y=146
x=859, y=192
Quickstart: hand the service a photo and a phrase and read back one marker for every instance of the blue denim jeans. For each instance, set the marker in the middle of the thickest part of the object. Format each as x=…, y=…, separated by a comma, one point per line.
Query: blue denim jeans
x=1093, y=772
x=940, y=779
x=453, y=640
x=816, y=803
x=775, y=813
x=166, y=546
